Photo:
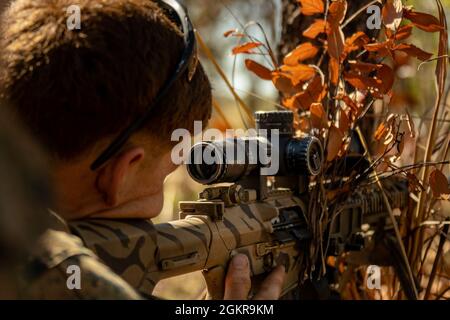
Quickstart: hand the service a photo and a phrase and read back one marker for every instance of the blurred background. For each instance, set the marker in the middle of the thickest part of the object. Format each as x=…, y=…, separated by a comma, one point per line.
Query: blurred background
x=212, y=18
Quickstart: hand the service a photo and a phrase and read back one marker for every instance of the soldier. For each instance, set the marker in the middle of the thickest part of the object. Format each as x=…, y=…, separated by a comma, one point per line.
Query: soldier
x=25, y=195
x=77, y=88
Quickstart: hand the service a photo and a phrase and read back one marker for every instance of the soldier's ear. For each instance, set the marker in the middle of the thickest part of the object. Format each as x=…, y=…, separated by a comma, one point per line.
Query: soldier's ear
x=115, y=176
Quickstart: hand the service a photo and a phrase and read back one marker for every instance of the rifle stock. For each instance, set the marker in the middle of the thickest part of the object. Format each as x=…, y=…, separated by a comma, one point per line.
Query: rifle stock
x=206, y=237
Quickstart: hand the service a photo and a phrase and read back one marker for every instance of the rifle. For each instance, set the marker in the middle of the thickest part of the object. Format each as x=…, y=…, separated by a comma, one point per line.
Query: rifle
x=268, y=219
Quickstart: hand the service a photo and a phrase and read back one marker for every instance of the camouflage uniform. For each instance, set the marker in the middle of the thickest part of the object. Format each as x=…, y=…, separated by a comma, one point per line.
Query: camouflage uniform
x=46, y=274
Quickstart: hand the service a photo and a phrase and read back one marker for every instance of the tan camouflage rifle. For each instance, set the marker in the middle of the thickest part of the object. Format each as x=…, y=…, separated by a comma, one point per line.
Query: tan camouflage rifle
x=270, y=224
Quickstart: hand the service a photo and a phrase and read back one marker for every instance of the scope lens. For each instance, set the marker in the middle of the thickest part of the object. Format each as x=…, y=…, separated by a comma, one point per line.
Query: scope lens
x=206, y=163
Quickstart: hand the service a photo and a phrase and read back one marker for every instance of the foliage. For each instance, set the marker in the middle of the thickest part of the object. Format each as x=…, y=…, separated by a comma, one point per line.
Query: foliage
x=332, y=81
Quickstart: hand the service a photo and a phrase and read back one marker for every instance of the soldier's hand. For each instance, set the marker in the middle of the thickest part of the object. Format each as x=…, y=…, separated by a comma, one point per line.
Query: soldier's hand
x=238, y=283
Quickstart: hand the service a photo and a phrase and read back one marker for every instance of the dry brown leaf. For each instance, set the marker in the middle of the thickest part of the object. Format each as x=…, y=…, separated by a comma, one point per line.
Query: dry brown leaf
x=333, y=68
x=364, y=67
x=310, y=7
x=392, y=14
x=229, y=33
x=414, y=51
x=303, y=52
x=299, y=73
x=403, y=32
x=317, y=27
x=439, y=184
x=387, y=77
x=246, y=48
x=318, y=116
x=356, y=41
x=381, y=49
x=291, y=103
x=352, y=105
x=336, y=43
x=258, y=69
x=300, y=101
x=344, y=122
x=335, y=140
x=315, y=92
x=337, y=12
x=361, y=82
x=316, y=89
x=283, y=83
x=423, y=21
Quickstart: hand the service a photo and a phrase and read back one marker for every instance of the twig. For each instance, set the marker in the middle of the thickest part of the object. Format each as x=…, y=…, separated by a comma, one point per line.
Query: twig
x=441, y=74
x=357, y=13
x=218, y=109
x=431, y=60
x=440, y=295
x=436, y=261
x=210, y=56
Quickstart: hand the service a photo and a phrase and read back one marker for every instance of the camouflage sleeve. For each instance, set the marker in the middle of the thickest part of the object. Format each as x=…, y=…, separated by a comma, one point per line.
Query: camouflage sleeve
x=62, y=268
x=96, y=281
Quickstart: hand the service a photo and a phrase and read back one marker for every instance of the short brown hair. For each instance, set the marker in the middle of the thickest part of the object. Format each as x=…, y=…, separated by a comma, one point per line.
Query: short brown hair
x=75, y=87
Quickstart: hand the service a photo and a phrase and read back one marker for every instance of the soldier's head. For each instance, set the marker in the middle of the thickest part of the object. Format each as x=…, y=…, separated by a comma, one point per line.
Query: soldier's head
x=77, y=89
x=24, y=199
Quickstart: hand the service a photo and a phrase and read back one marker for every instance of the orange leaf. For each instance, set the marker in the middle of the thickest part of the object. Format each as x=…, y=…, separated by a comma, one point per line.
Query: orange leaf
x=299, y=73
x=360, y=81
x=356, y=41
x=344, y=122
x=372, y=47
x=303, y=52
x=403, y=32
x=414, y=51
x=315, y=92
x=424, y=21
x=351, y=104
x=291, y=103
x=381, y=49
x=336, y=42
x=337, y=12
x=392, y=14
x=317, y=27
x=246, y=47
x=386, y=76
x=335, y=138
x=310, y=7
x=439, y=183
x=229, y=33
x=283, y=83
x=364, y=67
x=300, y=101
x=258, y=69
x=318, y=116
x=333, y=68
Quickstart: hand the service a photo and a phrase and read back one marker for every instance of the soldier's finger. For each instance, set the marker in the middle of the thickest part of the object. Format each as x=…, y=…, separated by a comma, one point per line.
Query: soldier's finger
x=237, y=281
x=272, y=286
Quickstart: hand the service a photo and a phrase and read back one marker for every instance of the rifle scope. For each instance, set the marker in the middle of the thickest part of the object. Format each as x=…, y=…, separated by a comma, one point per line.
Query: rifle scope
x=231, y=159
